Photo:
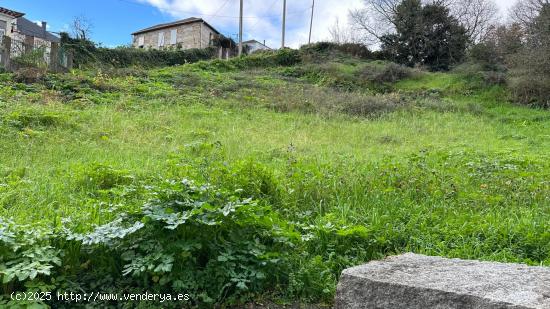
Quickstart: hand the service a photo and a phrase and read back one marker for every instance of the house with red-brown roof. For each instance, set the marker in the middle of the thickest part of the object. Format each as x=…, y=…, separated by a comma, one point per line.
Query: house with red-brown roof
x=7, y=20
x=14, y=25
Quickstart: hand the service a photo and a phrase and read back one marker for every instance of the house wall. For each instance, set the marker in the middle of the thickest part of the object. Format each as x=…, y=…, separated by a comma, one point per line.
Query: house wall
x=8, y=21
x=195, y=35
x=255, y=46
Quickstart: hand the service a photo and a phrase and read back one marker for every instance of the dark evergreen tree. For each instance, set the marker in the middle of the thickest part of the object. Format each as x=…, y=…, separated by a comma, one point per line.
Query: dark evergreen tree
x=444, y=38
x=405, y=46
x=425, y=35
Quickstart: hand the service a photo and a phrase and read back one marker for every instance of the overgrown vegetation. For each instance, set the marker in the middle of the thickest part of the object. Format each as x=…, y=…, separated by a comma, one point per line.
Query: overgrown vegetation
x=87, y=54
x=530, y=81
x=260, y=178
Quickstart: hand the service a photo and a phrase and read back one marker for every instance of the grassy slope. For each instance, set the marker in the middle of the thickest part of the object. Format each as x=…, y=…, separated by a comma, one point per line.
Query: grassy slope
x=460, y=173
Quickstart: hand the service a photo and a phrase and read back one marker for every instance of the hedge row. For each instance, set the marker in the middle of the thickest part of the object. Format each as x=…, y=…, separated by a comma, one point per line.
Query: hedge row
x=126, y=56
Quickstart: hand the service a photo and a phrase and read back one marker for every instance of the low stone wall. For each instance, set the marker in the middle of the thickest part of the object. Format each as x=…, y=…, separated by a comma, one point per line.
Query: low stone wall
x=413, y=281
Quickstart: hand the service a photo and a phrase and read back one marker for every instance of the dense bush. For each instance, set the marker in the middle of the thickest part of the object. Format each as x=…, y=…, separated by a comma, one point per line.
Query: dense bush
x=32, y=59
x=487, y=56
x=29, y=75
x=494, y=53
x=87, y=53
x=33, y=118
x=260, y=59
x=198, y=240
x=188, y=238
x=326, y=48
x=531, y=90
x=374, y=76
x=127, y=56
x=193, y=239
x=386, y=73
x=531, y=65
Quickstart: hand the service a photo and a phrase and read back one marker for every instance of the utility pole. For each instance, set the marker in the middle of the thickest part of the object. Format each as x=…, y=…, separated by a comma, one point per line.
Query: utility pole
x=241, y=30
x=311, y=22
x=284, y=23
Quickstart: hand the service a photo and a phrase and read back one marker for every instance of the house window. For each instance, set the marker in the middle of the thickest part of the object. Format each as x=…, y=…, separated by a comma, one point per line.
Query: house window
x=161, y=39
x=173, y=36
x=141, y=41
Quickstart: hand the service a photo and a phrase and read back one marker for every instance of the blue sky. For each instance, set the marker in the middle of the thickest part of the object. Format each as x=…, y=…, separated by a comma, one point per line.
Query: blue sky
x=114, y=20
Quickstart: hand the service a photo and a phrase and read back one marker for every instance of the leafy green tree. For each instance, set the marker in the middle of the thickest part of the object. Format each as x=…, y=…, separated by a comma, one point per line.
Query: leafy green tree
x=425, y=35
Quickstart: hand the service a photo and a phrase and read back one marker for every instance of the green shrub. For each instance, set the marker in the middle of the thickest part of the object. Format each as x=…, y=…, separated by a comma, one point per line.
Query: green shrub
x=216, y=65
x=102, y=177
x=260, y=59
x=329, y=102
x=386, y=73
x=198, y=240
x=321, y=49
x=126, y=56
x=487, y=56
x=531, y=90
x=31, y=59
x=88, y=54
x=492, y=78
x=371, y=106
x=530, y=67
x=26, y=255
x=264, y=59
x=29, y=75
x=34, y=118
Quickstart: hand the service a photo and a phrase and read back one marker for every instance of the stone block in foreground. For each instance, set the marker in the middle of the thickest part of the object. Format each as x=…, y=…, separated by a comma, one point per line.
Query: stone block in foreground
x=413, y=281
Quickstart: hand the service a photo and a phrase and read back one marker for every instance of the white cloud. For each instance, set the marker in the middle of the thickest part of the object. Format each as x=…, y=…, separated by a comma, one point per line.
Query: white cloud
x=263, y=18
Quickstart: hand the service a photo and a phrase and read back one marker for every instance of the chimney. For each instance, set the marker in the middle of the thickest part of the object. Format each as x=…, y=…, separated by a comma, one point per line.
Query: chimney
x=44, y=26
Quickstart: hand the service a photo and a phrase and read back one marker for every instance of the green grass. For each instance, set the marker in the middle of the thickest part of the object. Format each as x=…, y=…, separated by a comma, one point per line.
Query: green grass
x=452, y=169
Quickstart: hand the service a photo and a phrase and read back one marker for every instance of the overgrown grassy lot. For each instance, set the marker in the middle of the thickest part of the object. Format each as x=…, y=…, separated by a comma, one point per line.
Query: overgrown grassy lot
x=261, y=178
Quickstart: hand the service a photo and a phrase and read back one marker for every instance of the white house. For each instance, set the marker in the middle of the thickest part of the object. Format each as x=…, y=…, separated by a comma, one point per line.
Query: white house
x=253, y=46
x=7, y=21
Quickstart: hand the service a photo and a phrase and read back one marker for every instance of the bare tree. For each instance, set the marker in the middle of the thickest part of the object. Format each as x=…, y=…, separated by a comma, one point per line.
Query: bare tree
x=81, y=27
x=525, y=11
x=376, y=19
x=476, y=16
x=344, y=34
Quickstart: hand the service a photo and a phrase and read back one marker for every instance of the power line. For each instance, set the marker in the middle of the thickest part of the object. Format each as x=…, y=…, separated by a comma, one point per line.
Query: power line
x=221, y=16
x=221, y=7
x=259, y=20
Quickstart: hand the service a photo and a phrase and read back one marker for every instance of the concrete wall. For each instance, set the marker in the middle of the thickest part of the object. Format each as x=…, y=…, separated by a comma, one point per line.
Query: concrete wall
x=195, y=35
x=412, y=281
